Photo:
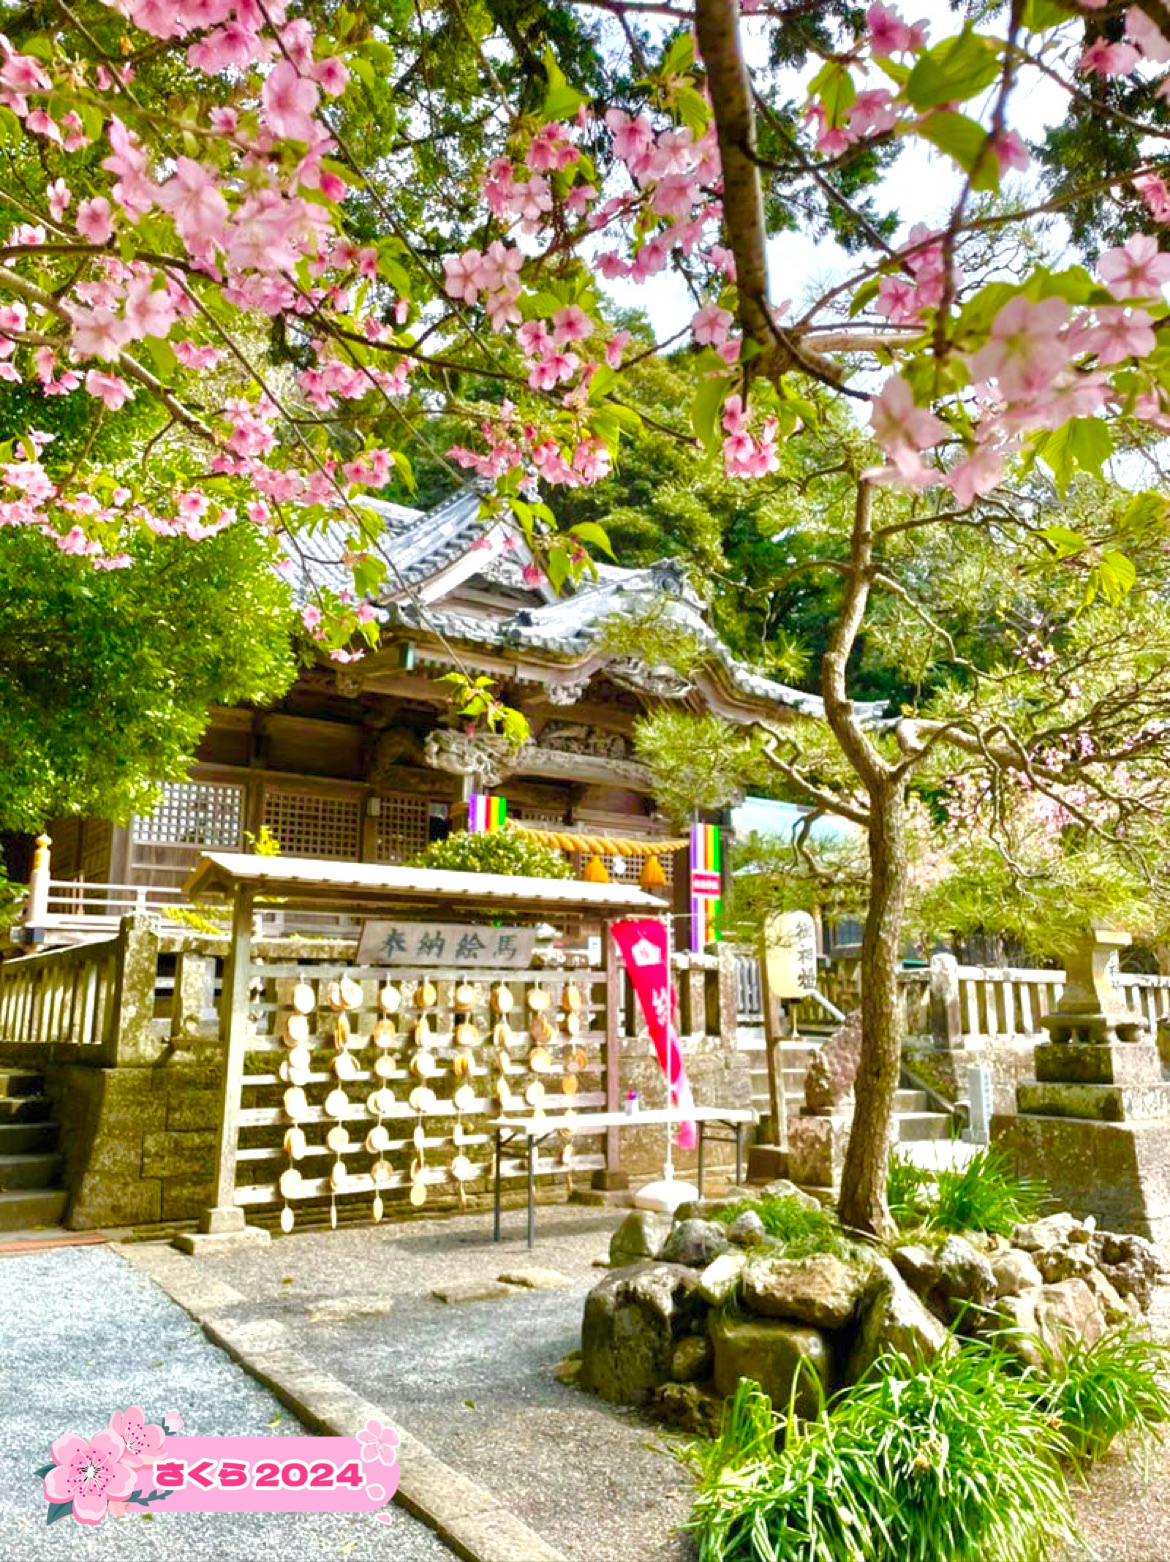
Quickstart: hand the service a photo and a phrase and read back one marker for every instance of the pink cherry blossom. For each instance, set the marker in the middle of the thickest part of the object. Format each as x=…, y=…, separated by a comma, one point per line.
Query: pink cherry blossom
x=873, y=113
x=1025, y=349
x=1103, y=58
x=553, y=369
x=289, y=102
x=734, y=416
x=1135, y=269
x=1121, y=334
x=143, y=1440
x=332, y=75
x=59, y=197
x=1145, y=34
x=22, y=73
x=108, y=388
x=95, y=219
x=898, y=423
x=193, y=355
x=90, y=1474
x=311, y=616
x=632, y=136
x=498, y=268
x=977, y=474
x=194, y=200
x=1010, y=152
x=615, y=348
x=463, y=275
x=1156, y=194
x=889, y=34
x=571, y=324
x=592, y=459
x=98, y=333
x=711, y=324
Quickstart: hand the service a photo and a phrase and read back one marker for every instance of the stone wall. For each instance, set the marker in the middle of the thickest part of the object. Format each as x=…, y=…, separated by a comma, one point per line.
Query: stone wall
x=719, y=1076
x=139, y=1143
x=945, y=1069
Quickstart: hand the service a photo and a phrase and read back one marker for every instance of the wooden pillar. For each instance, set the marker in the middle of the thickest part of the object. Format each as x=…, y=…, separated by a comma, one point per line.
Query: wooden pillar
x=612, y=1176
x=223, y=1224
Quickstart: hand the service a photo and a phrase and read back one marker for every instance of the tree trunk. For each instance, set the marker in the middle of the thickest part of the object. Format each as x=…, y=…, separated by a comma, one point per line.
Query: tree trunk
x=862, y=1204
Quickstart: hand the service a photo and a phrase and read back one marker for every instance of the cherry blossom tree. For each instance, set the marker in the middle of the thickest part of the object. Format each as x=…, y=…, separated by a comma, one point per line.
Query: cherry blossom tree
x=213, y=210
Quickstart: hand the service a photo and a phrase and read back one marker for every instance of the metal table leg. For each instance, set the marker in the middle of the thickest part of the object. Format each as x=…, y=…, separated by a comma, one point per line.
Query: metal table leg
x=739, y=1155
x=531, y=1191
x=499, y=1169
x=702, y=1147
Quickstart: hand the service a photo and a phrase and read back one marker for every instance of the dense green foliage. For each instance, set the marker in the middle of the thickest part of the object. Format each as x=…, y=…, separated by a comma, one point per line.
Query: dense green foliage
x=802, y=1230
x=984, y=1195
x=106, y=678
x=1113, y=1388
x=956, y=1458
x=495, y=851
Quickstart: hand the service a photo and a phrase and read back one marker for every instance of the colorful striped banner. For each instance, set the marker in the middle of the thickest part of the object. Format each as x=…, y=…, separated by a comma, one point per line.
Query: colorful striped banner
x=706, y=885
x=485, y=814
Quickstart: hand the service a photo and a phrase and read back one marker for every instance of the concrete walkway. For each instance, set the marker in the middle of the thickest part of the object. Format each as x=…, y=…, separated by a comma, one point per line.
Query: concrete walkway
x=82, y=1334
x=473, y=1376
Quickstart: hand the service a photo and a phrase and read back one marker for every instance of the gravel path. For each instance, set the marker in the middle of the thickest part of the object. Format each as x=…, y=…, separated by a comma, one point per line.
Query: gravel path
x=83, y=1335
x=474, y=1379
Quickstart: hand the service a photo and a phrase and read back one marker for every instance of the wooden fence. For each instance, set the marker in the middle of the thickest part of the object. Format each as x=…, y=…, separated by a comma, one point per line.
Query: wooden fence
x=66, y=1000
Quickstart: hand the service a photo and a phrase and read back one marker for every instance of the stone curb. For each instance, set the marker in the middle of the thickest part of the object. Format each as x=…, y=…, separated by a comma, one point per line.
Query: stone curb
x=465, y=1515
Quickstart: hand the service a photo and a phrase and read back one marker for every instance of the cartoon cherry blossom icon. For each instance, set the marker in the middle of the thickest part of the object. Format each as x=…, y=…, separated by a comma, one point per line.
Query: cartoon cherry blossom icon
x=379, y=1443
x=90, y=1474
x=143, y=1442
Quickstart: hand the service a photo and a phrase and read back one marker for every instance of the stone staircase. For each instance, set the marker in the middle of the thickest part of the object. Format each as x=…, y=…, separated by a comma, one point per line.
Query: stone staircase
x=917, y=1121
x=30, y=1161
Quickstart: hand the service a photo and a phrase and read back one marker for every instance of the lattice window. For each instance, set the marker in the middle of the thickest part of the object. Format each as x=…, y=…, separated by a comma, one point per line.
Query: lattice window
x=402, y=827
x=313, y=824
x=195, y=813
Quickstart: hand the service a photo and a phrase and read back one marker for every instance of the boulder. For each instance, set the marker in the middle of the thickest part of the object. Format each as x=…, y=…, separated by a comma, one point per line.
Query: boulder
x=828, y=1082
x=632, y=1320
x=691, y=1358
x=918, y=1266
x=966, y=1281
x=1047, y=1320
x=821, y=1290
x=1052, y=1231
x=893, y=1319
x=688, y=1408
x=1131, y=1264
x=783, y=1189
x=1014, y=1273
x=1074, y=1261
x=720, y=1280
x=640, y=1236
x=790, y=1362
x=747, y=1230
x=1109, y=1299
x=695, y=1243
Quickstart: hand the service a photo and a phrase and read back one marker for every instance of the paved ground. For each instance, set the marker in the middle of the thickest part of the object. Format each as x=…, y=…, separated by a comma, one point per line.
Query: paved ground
x=474, y=1379
x=82, y=1335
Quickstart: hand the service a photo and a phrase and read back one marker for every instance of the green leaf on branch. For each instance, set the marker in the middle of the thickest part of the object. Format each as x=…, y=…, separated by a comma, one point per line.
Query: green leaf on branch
x=557, y=567
x=866, y=292
x=1065, y=542
x=1116, y=576
x=834, y=89
x=10, y=131
x=954, y=70
x=561, y=101
x=1082, y=442
x=691, y=108
x=594, y=534
x=1145, y=509
x=967, y=142
x=705, y=410
x=679, y=57
x=1040, y=15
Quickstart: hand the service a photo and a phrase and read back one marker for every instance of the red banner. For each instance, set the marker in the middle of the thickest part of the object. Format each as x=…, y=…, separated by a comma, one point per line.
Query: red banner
x=644, y=951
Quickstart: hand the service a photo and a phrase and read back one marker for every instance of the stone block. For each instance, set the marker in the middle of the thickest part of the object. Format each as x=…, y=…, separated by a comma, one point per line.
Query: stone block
x=187, y=1109
x=816, y=1150
x=632, y=1321
x=641, y=1235
x=790, y=1361
x=1103, y=1103
x=893, y=1319
x=205, y=1244
x=100, y=1201
x=179, y=1154
x=1133, y=1063
x=185, y=1198
x=720, y=1280
x=1117, y=1172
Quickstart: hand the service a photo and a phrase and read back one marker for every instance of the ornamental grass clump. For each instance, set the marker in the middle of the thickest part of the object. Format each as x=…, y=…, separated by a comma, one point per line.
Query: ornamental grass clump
x=1107, y=1390
x=984, y=1195
x=802, y=1230
x=953, y=1459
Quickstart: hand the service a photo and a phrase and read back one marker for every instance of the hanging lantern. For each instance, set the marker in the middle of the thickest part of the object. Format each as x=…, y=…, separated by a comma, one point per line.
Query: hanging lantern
x=652, y=874
x=595, y=872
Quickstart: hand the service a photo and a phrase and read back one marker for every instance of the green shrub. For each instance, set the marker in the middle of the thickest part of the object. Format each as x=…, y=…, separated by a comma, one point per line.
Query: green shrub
x=951, y=1460
x=803, y=1231
x=496, y=851
x=1103, y=1391
x=984, y=1195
